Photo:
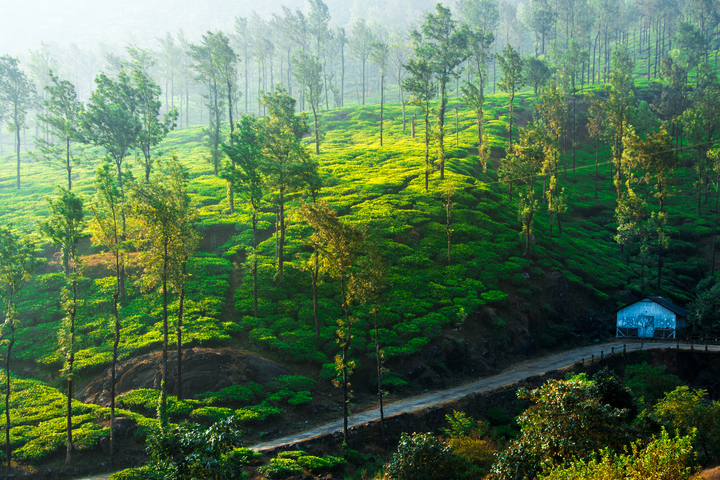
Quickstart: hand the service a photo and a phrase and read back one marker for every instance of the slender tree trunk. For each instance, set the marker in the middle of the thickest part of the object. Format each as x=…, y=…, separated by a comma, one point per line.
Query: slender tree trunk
x=67, y=162
x=441, y=131
x=427, y=146
x=71, y=362
x=8, y=448
x=163, y=402
x=714, y=243
x=317, y=131
x=315, y=276
x=363, y=83
x=345, y=350
x=382, y=101
x=17, y=149
x=181, y=313
x=379, y=375
x=281, y=244
x=254, y=267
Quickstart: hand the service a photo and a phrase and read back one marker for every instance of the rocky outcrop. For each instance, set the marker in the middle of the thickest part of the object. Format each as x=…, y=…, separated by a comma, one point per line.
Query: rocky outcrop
x=203, y=370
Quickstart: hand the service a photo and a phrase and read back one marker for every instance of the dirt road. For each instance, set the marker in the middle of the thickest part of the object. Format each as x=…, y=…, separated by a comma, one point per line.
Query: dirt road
x=513, y=374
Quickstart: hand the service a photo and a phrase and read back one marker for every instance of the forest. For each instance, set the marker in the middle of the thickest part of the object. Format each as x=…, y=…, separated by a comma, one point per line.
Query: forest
x=372, y=208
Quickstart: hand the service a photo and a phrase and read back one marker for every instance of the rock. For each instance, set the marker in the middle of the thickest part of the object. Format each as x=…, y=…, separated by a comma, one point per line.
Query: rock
x=526, y=348
x=124, y=427
x=416, y=371
x=204, y=370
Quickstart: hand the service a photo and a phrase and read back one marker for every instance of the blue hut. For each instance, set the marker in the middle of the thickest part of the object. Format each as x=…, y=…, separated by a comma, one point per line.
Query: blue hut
x=651, y=317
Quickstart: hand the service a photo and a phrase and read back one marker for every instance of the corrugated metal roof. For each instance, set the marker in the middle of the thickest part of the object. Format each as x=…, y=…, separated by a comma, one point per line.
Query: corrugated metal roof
x=661, y=301
x=670, y=306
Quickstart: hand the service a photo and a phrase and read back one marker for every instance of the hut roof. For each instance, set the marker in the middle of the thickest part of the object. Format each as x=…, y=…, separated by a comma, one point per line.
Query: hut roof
x=661, y=301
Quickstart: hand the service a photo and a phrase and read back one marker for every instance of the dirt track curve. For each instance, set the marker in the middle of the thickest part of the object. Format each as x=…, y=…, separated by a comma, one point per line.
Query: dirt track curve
x=513, y=374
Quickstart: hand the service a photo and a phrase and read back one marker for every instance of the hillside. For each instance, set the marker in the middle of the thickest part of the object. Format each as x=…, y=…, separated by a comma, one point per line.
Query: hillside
x=455, y=318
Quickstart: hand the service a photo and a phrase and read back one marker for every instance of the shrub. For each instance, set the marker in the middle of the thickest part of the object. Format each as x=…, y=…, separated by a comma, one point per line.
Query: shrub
x=293, y=383
x=317, y=465
x=421, y=456
x=279, y=468
x=244, y=394
x=662, y=459
x=211, y=414
x=649, y=383
x=291, y=454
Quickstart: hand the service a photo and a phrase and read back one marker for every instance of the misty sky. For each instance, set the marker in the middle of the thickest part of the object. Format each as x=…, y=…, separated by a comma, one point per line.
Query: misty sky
x=87, y=22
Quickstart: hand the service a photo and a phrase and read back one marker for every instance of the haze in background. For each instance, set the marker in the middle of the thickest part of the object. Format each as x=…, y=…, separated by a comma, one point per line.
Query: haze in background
x=88, y=22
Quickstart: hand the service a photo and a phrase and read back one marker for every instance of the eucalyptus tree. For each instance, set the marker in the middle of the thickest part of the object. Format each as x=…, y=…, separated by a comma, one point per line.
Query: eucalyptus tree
x=63, y=112
x=41, y=66
x=540, y=18
x=537, y=72
x=111, y=121
x=342, y=40
x=308, y=73
x=361, y=40
x=17, y=263
x=318, y=19
x=341, y=246
x=399, y=50
x=107, y=230
x=574, y=58
x=186, y=69
x=422, y=89
x=248, y=179
x=512, y=81
x=63, y=228
x=286, y=159
x=161, y=209
x=379, y=57
x=17, y=97
x=444, y=46
x=596, y=130
x=152, y=130
x=619, y=108
x=208, y=71
x=245, y=43
x=479, y=44
x=170, y=57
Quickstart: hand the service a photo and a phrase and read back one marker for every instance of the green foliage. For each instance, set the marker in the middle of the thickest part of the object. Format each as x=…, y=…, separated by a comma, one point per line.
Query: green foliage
x=663, y=458
x=687, y=412
x=293, y=383
x=245, y=394
x=422, y=456
x=211, y=414
x=279, y=468
x=649, y=383
x=189, y=451
x=567, y=422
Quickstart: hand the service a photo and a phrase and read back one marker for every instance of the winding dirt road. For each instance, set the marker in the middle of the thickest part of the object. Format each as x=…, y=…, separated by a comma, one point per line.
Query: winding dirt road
x=513, y=374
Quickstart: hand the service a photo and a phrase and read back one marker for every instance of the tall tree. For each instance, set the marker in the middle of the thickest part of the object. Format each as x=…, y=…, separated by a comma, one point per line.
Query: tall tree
x=152, y=130
x=479, y=45
x=444, y=46
x=107, y=230
x=422, y=88
x=17, y=263
x=63, y=229
x=208, y=72
x=342, y=244
x=308, y=73
x=247, y=179
x=361, y=39
x=399, y=52
x=61, y=119
x=619, y=107
x=379, y=57
x=540, y=18
x=512, y=81
x=159, y=207
x=286, y=158
x=111, y=122
x=17, y=96
x=245, y=43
